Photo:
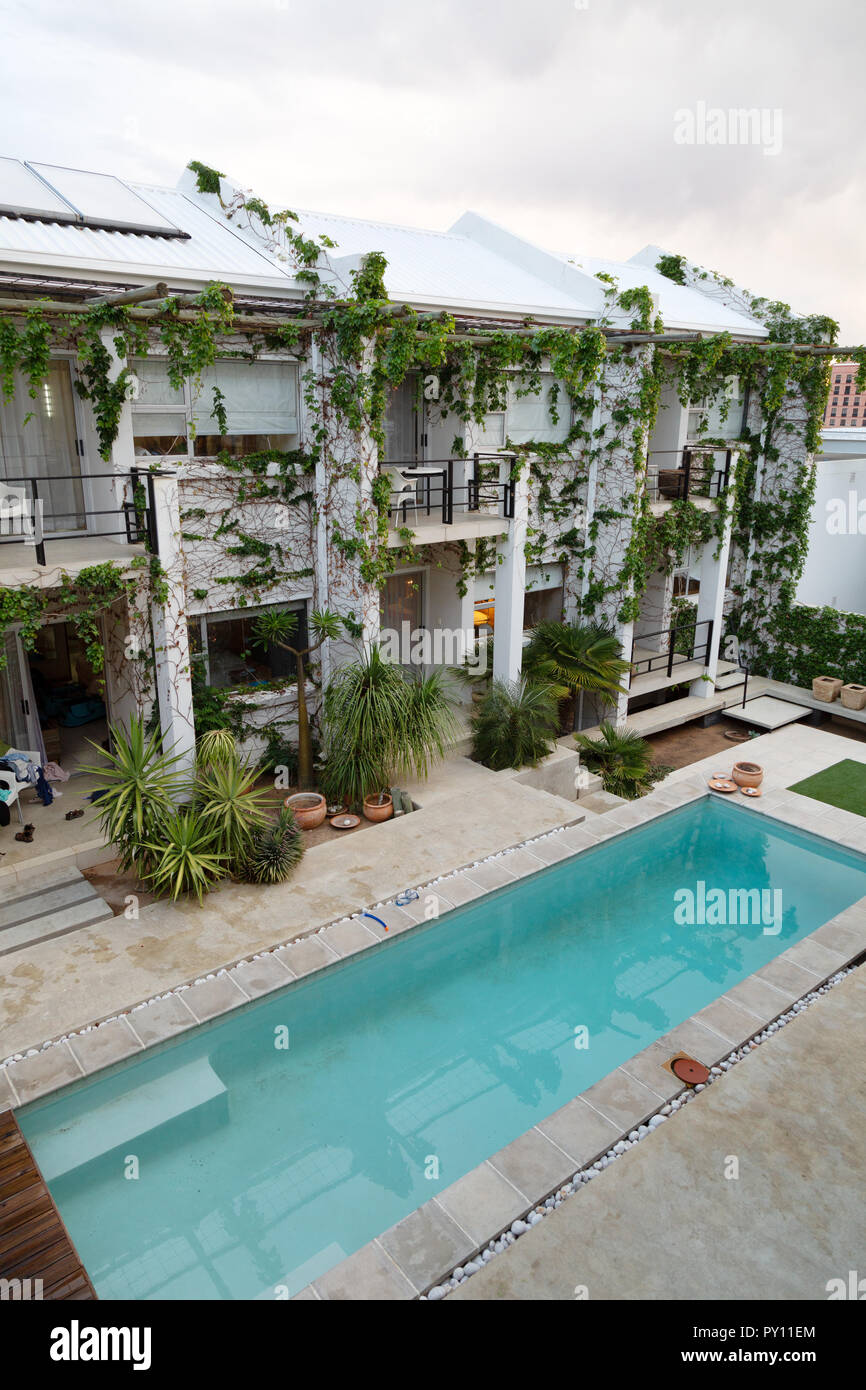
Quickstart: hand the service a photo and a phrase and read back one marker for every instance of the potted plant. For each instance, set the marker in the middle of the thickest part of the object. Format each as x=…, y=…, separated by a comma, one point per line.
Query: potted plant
x=515, y=725
x=378, y=806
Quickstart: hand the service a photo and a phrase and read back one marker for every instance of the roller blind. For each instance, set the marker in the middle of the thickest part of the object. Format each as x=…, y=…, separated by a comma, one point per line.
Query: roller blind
x=260, y=398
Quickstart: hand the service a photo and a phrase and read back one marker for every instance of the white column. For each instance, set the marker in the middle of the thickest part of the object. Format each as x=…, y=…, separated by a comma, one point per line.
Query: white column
x=711, y=595
x=510, y=586
x=170, y=633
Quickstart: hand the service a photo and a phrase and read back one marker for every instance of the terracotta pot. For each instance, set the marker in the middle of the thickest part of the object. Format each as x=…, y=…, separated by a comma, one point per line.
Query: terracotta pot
x=373, y=811
x=747, y=774
x=826, y=688
x=309, y=809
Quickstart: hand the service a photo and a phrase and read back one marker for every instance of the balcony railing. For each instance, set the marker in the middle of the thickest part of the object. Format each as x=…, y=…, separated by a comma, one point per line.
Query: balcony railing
x=427, y=488
x=700, y=471
x=25, y=501
x=686, y=642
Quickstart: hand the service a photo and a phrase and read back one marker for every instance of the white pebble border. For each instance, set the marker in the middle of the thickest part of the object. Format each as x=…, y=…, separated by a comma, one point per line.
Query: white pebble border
x=510, y=1234
x=282, y=945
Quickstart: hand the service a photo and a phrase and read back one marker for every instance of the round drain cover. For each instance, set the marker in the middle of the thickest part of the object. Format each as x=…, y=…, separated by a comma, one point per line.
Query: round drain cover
x=688, y=1070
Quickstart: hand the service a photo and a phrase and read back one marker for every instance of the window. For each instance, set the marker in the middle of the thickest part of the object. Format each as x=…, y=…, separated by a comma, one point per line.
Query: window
x=542, y=605
x=260, y=400
x=226, y=654
x=527, y=418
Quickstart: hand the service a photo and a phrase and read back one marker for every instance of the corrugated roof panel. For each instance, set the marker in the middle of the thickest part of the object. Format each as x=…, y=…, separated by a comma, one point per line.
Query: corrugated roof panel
x=212, y=251
x=679, y=305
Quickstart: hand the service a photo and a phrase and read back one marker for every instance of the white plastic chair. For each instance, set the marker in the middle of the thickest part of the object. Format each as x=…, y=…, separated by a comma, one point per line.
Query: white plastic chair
x=10, y=783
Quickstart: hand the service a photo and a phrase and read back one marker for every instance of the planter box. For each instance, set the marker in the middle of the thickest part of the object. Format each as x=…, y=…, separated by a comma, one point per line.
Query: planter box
x=854, y=696
x=826, y=688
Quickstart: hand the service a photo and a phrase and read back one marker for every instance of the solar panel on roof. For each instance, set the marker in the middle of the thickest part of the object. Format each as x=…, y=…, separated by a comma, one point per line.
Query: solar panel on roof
x=47, y=193
x=103, y=200
x=24, y=194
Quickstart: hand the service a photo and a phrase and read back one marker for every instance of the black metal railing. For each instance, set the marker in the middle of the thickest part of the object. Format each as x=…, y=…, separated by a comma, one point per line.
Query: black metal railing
x=701, y=471
x=23, y=512
x=686, y=642
x=427, y=486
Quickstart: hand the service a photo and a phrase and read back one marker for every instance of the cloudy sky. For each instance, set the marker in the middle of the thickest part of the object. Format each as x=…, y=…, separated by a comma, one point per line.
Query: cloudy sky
x=561, y=118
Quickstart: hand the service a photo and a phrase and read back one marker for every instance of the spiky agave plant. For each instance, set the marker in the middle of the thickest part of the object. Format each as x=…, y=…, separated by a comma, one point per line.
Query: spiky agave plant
x=231, y=807
x=186, y=860
x=215, y=748
x=276, y=851
x=137, y=786
x=515, y=725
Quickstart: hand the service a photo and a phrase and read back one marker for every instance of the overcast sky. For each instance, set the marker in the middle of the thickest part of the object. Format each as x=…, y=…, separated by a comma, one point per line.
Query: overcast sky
x=556, y=117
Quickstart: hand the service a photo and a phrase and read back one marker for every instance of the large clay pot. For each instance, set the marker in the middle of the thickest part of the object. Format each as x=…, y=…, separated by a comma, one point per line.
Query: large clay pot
x=826, y=689
x=373, y=811
x=747, y=774
x=309, y=809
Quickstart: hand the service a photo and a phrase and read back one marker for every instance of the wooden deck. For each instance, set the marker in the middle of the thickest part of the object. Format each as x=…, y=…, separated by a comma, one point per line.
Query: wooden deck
x=34, y=1243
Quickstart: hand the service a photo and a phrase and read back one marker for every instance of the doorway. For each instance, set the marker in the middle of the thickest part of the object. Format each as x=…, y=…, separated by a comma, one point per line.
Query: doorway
x=67, y=692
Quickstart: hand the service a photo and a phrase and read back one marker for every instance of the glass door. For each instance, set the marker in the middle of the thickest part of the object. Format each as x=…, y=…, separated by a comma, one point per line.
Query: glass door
x=39, y=442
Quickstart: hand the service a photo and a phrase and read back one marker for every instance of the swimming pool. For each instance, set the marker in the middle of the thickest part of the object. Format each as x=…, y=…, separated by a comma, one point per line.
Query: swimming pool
x=226, y=1164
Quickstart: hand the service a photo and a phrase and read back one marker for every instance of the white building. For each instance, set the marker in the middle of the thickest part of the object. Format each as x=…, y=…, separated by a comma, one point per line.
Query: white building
x=835, y=572
x=287, y=552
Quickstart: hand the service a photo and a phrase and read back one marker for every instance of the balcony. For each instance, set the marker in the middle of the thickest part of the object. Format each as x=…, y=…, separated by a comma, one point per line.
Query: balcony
x=700, y=474
x=60, y=523
x=669, y=657
x=450, y=499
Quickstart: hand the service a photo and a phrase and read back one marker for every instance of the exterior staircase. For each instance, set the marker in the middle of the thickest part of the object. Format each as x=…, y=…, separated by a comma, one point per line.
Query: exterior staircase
x=58, y=903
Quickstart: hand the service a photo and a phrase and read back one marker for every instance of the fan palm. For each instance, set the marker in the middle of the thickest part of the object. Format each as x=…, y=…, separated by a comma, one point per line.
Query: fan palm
x=624, y=760
x=137, y=787
x=515, y=725
x=572, y=657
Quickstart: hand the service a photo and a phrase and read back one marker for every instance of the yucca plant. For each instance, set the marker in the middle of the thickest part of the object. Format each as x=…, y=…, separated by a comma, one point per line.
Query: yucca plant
x=137, y=788
x=623, y=759
x=515, y=725
x=215, y=748
x=186, y=860
x=276, y=851
x=380, y=723
x=231, y=807
x=572, y=657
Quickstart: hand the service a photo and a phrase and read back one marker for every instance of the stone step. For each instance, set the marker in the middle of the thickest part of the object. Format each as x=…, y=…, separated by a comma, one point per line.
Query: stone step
x=730, y=679
x=80, y=914
x=25, y=907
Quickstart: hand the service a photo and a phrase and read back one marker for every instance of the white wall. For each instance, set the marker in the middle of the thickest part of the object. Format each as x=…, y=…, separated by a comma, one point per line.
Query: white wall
x=835, y=572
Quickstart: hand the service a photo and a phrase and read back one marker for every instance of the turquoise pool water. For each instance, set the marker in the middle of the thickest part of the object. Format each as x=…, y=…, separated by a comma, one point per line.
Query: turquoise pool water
x=260, y=1166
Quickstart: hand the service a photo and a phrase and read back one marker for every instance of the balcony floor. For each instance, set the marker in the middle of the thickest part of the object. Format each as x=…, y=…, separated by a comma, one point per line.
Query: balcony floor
x=464, y=527
x=18, y=567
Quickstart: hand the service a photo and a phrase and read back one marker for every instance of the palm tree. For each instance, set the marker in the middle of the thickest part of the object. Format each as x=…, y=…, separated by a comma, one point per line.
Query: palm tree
x=274, y=629
x=572, y=657
x=378, y=723
x=515, y=725
x=624, y=759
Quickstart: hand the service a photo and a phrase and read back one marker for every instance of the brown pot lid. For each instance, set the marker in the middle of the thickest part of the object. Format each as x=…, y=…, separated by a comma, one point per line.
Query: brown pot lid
x=688, y=1070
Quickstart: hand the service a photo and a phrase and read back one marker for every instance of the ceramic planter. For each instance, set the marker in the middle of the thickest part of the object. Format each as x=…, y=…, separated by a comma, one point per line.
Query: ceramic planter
x=826, y=688
x=854, y=696
x=373, y=811
x=309, y=809
x=747, y=774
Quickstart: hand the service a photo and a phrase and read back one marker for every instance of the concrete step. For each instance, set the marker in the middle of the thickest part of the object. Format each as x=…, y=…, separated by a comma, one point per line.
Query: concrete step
x=729, y=680
x=57, y=902
x=43, y=928
x=27, y=906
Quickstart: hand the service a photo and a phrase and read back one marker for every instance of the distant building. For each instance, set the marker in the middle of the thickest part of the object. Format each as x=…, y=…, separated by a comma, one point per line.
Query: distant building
x=846, y=406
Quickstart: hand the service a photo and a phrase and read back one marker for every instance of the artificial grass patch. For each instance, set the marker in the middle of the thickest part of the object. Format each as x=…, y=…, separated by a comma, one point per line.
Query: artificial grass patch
x=842, y=785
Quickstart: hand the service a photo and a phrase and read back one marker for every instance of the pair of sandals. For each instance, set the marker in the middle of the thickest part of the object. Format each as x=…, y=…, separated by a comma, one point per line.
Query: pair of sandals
x=73, y=815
